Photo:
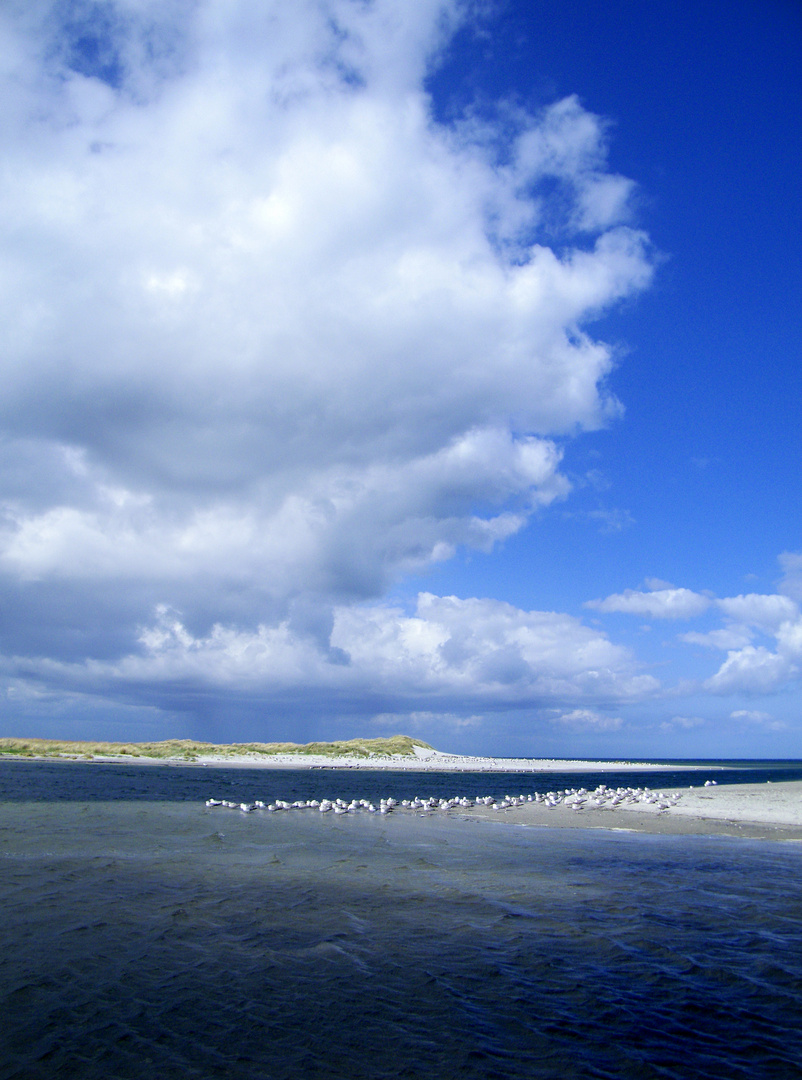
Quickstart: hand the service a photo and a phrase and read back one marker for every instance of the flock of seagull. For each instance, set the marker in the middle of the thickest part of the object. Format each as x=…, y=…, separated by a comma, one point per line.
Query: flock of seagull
x=575, y=798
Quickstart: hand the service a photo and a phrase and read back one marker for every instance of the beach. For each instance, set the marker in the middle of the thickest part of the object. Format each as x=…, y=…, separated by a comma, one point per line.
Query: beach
x=767, y=811
x=422, y=760
x=432, y=761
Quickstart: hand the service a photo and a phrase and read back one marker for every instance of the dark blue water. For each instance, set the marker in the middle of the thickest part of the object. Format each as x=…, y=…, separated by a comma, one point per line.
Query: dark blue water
x=84, y=781
x=151, y=937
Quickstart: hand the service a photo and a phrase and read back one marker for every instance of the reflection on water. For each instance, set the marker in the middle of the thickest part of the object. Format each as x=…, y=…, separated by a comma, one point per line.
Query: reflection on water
x=163, y=939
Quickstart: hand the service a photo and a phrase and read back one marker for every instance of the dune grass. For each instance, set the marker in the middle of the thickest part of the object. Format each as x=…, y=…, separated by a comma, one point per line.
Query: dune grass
x=189, y=750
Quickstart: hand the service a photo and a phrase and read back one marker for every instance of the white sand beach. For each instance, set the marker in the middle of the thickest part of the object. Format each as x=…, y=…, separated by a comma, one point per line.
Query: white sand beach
x=423, y=761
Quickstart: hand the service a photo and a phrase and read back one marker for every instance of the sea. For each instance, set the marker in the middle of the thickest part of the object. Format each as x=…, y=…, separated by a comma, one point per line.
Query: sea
x=144, y=934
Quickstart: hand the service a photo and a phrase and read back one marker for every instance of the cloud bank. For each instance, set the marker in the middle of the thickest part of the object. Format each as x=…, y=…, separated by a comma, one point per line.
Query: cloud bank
x=448, y=652
x=275, y=337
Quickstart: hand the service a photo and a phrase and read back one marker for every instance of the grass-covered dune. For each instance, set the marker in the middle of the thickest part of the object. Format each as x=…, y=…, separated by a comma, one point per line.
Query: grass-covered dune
x=189, y=750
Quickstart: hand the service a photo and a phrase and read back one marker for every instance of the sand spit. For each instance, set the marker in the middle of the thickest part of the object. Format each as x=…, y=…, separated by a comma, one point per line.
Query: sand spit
x=437, y=761
x=754, y=811
x=767, y=811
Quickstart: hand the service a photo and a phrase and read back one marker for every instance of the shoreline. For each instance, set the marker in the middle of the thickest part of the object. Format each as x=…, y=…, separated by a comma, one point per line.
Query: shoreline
x=436, y=761
x=440, y=762
x=760, y=811
x=771, y=810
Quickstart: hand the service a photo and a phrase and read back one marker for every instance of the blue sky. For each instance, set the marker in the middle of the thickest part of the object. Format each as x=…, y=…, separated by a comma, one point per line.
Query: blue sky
x=415, y=367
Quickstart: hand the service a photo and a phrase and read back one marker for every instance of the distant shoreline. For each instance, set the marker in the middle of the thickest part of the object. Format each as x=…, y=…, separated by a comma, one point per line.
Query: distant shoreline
x=397, y=752
x=436, y=762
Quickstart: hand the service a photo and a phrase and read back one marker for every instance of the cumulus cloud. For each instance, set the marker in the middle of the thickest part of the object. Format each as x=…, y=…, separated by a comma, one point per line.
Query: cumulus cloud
x=451, y=651
x=490, y=648
x=275, y=337
x=755, y=716
x=749, y=668
x=341, y=529
x=755, y=609
x=662, y=603
x=589, y=718
x=731, y=637
x=753, y=669
x=685, y=723
x=423, y=719
x=791, y=584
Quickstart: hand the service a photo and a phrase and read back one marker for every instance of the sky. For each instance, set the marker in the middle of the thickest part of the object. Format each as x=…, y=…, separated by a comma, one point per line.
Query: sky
x=423, y=366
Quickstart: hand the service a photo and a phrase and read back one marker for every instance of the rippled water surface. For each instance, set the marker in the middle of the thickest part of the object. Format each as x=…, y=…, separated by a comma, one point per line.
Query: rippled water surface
x=153, y=938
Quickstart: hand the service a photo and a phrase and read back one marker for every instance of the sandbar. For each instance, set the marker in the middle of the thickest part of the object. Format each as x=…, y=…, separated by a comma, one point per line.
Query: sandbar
x=766, y=811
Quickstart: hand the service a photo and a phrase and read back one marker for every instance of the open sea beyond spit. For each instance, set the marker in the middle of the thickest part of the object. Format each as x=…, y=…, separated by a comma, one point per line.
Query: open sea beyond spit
x=145, y=935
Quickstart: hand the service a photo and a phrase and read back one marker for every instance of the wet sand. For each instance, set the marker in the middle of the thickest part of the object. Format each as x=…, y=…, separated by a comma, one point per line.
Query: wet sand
x=768, y=811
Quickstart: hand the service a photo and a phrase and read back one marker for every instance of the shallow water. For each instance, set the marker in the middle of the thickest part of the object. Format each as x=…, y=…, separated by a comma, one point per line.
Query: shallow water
x=152, y=938
x=70, y=781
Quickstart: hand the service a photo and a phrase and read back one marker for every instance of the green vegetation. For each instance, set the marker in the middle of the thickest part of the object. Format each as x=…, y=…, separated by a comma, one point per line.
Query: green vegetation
x=188, y=750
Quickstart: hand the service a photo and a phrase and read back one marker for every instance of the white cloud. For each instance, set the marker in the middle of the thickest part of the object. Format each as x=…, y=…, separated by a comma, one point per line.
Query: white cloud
x=490, y=647
x=685, y=723
x=764, y=611
x=611, y=521
x=753, y=669
x=731, y=637
x=589, y=718
x=756, y=669
x=748, y=668
x=274, y=337
x=422, y=719
x=754, y=716
x=343, y=529
x=668, y=603
x=455, y=652
x=345, y=309
x=665, y=601
x=655, y=584
x=791, y=563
